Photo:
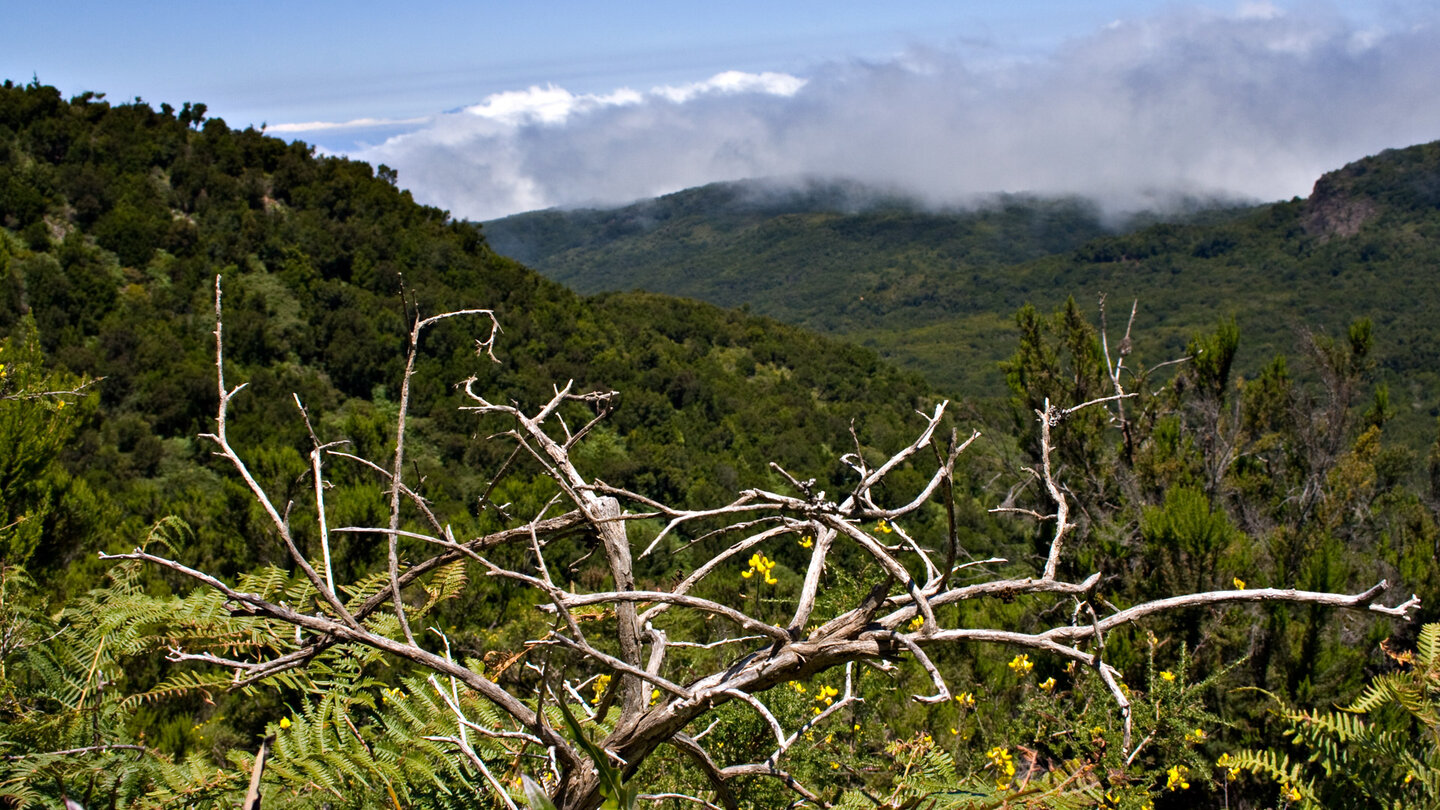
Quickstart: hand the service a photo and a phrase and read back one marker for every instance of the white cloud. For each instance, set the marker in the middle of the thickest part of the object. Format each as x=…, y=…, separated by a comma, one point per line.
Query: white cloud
x=358, y=123
x=546, y=105
x=1257, y=104
x=731, y=82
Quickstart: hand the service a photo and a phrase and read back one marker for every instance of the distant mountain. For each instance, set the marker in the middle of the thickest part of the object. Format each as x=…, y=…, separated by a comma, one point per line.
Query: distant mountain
x=833, y=256
x=935, y=291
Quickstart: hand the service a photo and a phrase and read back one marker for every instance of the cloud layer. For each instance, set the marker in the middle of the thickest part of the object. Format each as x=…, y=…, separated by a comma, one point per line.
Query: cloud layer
x=1255, y=104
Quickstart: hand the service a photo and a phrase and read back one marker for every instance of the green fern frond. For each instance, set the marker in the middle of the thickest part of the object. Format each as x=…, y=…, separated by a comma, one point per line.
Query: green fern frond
x=179, y=684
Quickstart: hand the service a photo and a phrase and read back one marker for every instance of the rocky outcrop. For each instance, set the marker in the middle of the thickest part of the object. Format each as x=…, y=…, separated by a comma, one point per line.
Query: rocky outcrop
x=1335, y=208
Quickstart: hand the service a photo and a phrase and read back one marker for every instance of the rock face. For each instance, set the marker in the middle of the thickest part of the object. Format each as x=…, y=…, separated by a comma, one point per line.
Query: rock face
x=1336, y=209
x=1403, y=182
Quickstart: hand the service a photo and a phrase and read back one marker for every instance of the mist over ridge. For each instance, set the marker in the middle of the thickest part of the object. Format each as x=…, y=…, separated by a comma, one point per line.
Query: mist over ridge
x=1185, y=103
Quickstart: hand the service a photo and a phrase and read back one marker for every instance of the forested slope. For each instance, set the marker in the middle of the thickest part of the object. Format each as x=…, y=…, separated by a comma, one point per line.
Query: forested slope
x=932, y=291
x=118, y=218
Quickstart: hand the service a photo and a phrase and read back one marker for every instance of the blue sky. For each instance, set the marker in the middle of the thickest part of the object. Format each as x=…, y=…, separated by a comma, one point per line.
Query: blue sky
x=490, y=108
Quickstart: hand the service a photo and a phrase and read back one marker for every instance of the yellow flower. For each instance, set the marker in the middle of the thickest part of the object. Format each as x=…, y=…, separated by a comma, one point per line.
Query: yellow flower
x=284, y=722
x=798, y=687
x=1195, y=736
x=806, y=541
x=966, y=700
x=1003, y=763
x=654, y=696
x=827, y=694
x=883, y=528
x=601, y=684
x=1167, y=675
x=1290, y=792
x=1021, y=664
x=1047, y=684
x=856, y=728
x=834, y=766
x=760, y=564
x=1239, y=584
x=1176, y=778
x=917, y=623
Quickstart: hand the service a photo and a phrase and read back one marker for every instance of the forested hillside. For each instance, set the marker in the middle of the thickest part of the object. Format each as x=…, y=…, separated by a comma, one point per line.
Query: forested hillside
x=932, y=291
x=486, y=635
x=118, y=218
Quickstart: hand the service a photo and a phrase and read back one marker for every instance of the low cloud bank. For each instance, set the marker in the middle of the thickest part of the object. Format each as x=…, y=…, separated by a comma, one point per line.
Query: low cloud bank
x=1255, y=104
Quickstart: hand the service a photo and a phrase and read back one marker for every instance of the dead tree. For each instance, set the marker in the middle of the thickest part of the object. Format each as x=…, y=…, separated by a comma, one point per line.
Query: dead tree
x=896, y=619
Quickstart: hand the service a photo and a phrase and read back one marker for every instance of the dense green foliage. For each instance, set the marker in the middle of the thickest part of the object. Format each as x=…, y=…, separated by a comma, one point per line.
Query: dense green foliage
x=115, y=219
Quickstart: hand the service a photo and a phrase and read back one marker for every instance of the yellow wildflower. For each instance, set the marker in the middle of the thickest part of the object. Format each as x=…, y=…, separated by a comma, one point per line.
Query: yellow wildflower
x=1004, y=766
x=917, y=623
x=883, y=528
x=827, y=694
x=807, y=541
x=762, y=565
x=1195, y=736
x=1177, y=778
x=798, y=687
x=1167, y=675
x=1021, y=664
x=1047, y=684
x=966, y=700
x=601, y=684
x=1239, y=584
x=1290, y=792
x=284, y=722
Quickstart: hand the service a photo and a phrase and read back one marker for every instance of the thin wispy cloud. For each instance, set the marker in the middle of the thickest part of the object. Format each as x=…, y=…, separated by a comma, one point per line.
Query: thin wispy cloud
x=356, y=124
x=1252, y=104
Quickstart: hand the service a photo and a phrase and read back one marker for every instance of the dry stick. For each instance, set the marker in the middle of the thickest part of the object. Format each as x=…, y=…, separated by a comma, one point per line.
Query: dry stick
x=452, y=701
x=316, y=449
x=1062, y=507
x=670, y=598
x=89, y=749
x=252, y=796
x=488, y=347
x=226, y=451
x=809, y=591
